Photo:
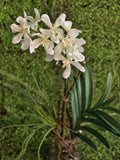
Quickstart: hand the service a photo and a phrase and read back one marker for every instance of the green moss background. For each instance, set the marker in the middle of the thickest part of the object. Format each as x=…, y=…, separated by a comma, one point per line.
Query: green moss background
x=99, y=21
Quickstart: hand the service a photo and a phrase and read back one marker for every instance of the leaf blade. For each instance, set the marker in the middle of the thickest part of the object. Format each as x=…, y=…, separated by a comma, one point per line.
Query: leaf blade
x=101, y=124
x=110, y=100
x=96, y=134
x=79, y=94
x=88, y=87
x=107, y=89
x=109, y=120
x=109, y=108
x=86, y=140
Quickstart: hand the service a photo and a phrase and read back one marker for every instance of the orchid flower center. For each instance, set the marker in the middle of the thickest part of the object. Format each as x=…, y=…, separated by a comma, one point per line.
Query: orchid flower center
x=24, y=30
x=66, y=63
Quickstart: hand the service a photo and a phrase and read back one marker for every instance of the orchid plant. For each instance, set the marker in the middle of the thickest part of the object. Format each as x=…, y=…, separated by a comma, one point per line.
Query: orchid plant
x=77, y=113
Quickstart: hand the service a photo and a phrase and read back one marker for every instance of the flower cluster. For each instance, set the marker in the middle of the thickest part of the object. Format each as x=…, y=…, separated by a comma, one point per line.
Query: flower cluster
x=59, y=40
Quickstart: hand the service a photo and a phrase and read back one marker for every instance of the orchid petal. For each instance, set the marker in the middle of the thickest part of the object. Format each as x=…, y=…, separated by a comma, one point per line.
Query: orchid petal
x=25, y=14
x=67, y=25
x=48, y=44
x=21, y=20
x=58, y=57
x=15, y=28
x=79, y=56
x=59, y=48
x=26, y=42
x=73, y=33
x=44, y=31
x=78, y=65
x=30, y=18
x=80, y=49
x=34, y=27
x=36, y=34
x=45, y=18
x=49, y=58
x=35, y=44
x=60, y=33
x=49, y=51
x=55, y=39
x=80, y=41
x=67, y=72
x=17, y=38
x=37, y=13
x=48, y=33
x=60, y=20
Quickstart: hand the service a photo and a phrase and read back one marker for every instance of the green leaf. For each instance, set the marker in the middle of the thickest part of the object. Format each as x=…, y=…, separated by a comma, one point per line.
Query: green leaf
x=109, y=108
x=86, y=140
x=25, y=143
x=109, y=120
x=74, y=115
x=76, y=101
x=101, y=124
x=83, y=99
x=18, y=88
x=76, y=109
x=79, y=94
x=96, y=134
x=88, y=88
x=107, y=89
x=27, y=94
x=43, y=139
x=26, y=85
x=110, y=100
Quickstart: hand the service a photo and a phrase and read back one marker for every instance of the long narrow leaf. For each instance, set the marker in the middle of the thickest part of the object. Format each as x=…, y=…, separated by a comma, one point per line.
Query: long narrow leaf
x=48, y=131
x=79, y=94
x=76, y=101
x=27, y=94
x=26, y=85
x=25, y=143
x=73, y=110
x=88, y=88
x=109, y=108
x=110, y=100
x=18, y=89
x=101, y=124
x=86, y=140
x=82, y=78
x=75, y=107
x=107, y=89
x=96, y=134
x=109, y=120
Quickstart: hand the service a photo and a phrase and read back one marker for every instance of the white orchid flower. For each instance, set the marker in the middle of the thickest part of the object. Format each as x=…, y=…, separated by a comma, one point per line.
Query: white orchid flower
x=67, y=45
x=66, y=40
x=72, y=32
x=79, y=41
x=67, y=63
x=23, y=29
x=76, y=55
x=59, y=48
x=57, y=32
x=67, y=25
x=69, y=40
x=64, y=45
x=75, y=51
x=44, y=41
x=33, y=21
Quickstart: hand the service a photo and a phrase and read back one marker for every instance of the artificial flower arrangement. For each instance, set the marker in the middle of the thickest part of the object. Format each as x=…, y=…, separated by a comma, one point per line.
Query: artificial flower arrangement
x=78, y=114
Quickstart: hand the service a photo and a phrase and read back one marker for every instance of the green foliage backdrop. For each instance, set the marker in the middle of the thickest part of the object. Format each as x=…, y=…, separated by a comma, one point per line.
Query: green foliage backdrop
x=99, y=21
